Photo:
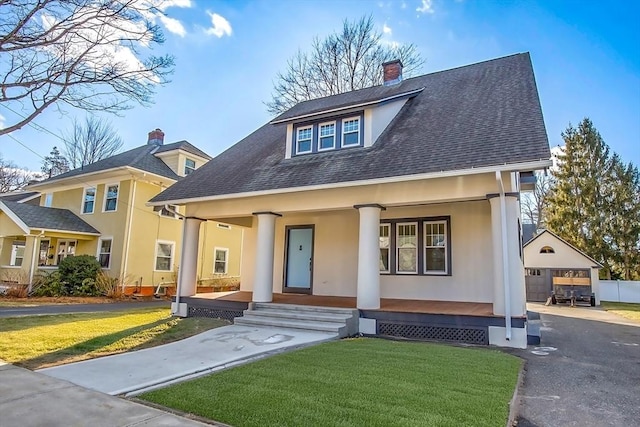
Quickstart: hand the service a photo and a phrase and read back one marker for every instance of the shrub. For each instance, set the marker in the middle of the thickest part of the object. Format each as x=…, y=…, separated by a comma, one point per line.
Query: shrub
x=110, y=287
x=49, y=285
x=80, y=273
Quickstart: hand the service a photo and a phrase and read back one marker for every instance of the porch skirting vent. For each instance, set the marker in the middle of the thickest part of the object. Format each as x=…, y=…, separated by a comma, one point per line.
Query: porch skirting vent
x=214, y=313
x=440, y=333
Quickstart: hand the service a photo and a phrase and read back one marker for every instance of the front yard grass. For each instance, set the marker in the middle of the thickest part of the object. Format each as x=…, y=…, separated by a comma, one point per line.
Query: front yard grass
x=356, y=382
x=624, y=309
x=40, y=341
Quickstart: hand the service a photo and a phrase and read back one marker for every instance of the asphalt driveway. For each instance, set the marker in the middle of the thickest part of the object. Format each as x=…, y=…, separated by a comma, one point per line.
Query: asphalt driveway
x=78, y=308
x=585, y=372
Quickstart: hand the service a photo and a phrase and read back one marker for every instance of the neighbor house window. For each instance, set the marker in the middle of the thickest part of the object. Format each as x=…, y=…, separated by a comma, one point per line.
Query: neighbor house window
x=435, y=247
x=17, y=253
x=419, y=246
x=88, y=200
x=304, y=137
x=384, y=247
x=66, y=248
x=43, y=254
x=48, y=200
x=350, y=132
x=189, y=166
x=221, y=260
x=407, y=248
x=164, y=256
x=111, y=198
x=547, y=250
x=104, y=254
x=327, y=136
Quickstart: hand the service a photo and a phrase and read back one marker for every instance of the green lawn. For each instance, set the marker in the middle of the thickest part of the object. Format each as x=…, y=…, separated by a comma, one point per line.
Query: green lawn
x=624, y=309
x=356, y=382
x=40, y=341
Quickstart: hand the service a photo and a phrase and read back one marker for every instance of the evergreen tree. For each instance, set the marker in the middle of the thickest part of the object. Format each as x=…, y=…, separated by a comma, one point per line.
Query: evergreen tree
x=580, y=204
x=54, y=164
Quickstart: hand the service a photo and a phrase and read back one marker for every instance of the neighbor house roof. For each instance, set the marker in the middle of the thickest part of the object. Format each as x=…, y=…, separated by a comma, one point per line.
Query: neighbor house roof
x=482, y=115
x=40, y=217
x=597, y=264
x=19, y=196
x=142, y=158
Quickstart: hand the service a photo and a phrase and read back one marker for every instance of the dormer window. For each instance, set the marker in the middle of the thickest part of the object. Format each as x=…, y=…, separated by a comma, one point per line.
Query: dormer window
x=327, y=136
x=189, y=166
x=304, y=138
x=351, y=132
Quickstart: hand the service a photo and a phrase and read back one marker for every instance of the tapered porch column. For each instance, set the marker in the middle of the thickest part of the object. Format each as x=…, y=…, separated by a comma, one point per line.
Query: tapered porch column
x=368, y=285
x=189, y=258
x=263, y=277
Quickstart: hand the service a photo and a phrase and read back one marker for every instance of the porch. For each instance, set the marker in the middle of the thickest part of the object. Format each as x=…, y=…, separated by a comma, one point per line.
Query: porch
x=451, y=321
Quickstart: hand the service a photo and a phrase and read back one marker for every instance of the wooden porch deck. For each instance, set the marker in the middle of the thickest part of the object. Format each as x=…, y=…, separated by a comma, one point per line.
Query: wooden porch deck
x=386, y=304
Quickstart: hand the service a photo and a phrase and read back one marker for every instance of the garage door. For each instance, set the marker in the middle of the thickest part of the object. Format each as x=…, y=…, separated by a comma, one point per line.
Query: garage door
x=538, y=283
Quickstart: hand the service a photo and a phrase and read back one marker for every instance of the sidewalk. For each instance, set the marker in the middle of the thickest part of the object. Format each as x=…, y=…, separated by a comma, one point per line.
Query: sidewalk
x=138, y=371
x=31, y=399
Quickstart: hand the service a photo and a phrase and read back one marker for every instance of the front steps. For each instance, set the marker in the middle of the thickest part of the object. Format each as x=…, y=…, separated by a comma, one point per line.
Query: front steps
x=341, y=321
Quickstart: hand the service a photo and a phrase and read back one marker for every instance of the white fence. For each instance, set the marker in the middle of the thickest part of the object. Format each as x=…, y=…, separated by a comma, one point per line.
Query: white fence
x=619, y=291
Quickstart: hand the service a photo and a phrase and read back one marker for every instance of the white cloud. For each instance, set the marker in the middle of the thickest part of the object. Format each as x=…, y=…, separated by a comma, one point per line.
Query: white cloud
x=165, y=4
x=427, y=7
x=173, y=25
x=219, y=26
x=386, y=29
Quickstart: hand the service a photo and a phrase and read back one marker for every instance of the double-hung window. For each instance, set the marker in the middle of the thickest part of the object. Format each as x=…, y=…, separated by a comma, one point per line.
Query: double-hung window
x=435, y=247
x=189, y=166
x=351, y=132
x=88, y=200
x=104, y=254
x=111, y=198
x=221, y=260
x=164, y=256
x=327, y=139
x=304, y=138
x=384, y=247
x=17, y=252
x=407, y=248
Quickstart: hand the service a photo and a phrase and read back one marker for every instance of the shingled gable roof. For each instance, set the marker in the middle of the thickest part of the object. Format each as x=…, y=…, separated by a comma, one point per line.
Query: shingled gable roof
x=142, y=158
x=43, y=218
x=481, y=115
x=18, y=196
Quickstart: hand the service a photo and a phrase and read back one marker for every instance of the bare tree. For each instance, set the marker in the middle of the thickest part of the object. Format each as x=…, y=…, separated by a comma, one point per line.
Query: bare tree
x=12, y=178
x=341, y=62
x=82, y=53
x=534, y=202
x=88, y=142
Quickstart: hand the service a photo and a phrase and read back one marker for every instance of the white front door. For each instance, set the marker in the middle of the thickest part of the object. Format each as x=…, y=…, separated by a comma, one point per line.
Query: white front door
x=299, y=259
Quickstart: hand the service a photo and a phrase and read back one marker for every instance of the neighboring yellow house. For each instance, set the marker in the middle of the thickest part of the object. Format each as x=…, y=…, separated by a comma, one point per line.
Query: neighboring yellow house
x=101, y=210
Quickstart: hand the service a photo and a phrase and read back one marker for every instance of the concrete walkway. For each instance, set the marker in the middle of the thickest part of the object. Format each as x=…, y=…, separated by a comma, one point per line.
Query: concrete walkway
x=31, y=399
x=135, y=372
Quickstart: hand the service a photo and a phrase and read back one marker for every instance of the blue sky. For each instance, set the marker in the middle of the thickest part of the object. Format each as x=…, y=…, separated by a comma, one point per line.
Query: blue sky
x=586, y=58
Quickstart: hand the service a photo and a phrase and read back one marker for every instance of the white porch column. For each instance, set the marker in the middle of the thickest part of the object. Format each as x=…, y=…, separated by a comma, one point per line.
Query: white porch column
x=189, y=258
x=263, y=277
x=368, y=285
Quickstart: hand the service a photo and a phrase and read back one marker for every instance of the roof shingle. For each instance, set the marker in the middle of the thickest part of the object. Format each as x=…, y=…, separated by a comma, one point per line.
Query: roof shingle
x=41, y=217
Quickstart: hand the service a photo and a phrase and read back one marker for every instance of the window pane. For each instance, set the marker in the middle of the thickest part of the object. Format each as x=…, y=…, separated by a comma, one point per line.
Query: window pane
x=190, y=163
x=407, y=260
x=384, y=247
x=304, y=134
x=112, y=198
x=221, y=255
x=304, y=146
x=435, y=259
x=351, y=139
x=351, y=125
x=220, y=267
x=163, y=264
x=327, y=130
x=326, y=142
x=89, y=200
x=103, y=259
x=384, y=259
x=164, y=250
x=105, y=246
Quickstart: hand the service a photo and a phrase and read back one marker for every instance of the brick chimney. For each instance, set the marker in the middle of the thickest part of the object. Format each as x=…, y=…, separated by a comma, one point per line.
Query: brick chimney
x=392, y=72
x=156, y=137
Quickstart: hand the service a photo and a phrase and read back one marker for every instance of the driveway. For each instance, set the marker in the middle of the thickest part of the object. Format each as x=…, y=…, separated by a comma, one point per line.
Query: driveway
x=78, y=308
x=585, y=372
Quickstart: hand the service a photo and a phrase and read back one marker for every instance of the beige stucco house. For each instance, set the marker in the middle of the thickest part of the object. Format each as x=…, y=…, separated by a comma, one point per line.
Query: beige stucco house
x=401, y=201
x=101, y=210
x=552, y=262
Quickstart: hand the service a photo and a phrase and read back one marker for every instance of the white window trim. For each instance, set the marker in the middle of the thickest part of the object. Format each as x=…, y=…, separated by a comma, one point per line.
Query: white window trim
x=98, y=253
x=333, y=147
x=189, y=167
x=297, y=140
x=66, y=248
x=424, y=248
x=226, y=259
x=84, y=194
x=14, y=254
x=342, y=144
x=173, y=254
x=104, y=203
x=397, y=248
x=388, y=226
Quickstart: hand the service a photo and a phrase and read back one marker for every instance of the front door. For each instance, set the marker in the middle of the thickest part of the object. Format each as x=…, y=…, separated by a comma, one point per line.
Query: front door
x=299, y=259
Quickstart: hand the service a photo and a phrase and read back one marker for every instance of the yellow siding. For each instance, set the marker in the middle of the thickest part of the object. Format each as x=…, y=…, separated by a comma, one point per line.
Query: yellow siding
x=8, y=227
x=211, y=237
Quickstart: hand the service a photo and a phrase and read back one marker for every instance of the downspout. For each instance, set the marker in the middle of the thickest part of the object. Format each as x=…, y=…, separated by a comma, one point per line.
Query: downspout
x=125, y=261
x=32, y=270
x=178, y=281
x=505, y=257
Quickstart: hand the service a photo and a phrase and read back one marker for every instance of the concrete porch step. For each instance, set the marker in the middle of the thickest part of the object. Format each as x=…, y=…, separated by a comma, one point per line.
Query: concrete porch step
x=289, y=323
x=302, y=308
x=301, y=315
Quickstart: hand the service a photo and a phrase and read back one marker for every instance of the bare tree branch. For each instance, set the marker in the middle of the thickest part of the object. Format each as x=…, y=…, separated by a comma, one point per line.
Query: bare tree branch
x=12, y=178
x=83, y=53
x=88, y=142
x=341, y=62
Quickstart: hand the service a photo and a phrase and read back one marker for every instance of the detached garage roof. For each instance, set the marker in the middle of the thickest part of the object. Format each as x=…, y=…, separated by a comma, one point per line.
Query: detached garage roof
x=561, y=241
